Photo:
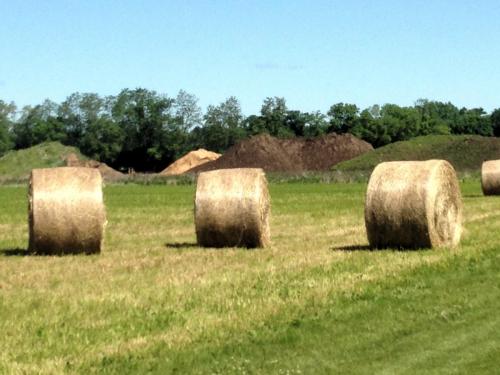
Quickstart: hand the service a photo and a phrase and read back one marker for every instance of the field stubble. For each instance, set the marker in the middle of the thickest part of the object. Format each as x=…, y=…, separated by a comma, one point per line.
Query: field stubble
x=154, y=301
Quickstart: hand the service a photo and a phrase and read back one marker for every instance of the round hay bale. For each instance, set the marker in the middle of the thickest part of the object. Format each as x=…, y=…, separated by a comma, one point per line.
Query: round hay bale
x=232, y=208
x=66, y=211
x=413, y=204
x=490, y=177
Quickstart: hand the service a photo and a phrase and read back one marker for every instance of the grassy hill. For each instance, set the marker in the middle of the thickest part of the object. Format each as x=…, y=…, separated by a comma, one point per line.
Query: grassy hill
x=465, y=152
x=18, y=164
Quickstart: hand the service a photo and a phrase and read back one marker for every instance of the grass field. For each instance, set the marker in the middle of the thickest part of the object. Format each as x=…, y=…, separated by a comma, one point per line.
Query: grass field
x=315, y=302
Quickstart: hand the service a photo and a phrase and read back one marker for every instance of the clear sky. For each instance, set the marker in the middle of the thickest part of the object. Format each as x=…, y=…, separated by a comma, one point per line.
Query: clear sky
x=313, y=53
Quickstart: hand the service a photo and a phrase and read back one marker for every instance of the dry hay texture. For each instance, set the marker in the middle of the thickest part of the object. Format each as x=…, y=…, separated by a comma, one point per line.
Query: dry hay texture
x=66, y=211
x=232, y=208
x=413, y=204
x=490, y=177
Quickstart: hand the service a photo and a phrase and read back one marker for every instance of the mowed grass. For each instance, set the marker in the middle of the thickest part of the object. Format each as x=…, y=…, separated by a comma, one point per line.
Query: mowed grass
x=317, y=301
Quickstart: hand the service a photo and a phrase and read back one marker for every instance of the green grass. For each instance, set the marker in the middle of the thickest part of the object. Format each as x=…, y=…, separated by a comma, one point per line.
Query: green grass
x=465, y=152
x=17, y=165
x=316, y=301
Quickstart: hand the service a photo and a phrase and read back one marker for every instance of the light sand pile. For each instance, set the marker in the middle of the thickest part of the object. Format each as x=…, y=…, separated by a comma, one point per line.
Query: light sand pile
x=190, y=160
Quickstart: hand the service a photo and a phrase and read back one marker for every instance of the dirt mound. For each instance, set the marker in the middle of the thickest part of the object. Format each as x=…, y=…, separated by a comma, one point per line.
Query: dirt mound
x=262, y=151
x=107, y=172
x=190, y=160
x=72, y=160
x=320, y=154
x=289, y=155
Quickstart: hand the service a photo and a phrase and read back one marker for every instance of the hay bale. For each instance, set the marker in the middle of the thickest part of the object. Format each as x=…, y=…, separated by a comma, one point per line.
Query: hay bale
x=490, y=177
x=232, y=208
x=413, y=204
x=66, y=210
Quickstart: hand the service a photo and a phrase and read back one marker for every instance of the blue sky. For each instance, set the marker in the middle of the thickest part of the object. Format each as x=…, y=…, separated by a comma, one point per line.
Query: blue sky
x=314, y=53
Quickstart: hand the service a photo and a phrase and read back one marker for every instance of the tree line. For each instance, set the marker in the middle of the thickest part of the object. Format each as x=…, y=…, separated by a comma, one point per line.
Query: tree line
x=146, y=130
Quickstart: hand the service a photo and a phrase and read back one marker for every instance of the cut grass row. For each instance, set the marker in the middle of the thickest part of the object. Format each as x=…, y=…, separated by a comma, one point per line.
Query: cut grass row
x=316, y=301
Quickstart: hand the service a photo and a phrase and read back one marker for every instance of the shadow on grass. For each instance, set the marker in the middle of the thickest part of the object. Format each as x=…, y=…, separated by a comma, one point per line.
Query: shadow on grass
x=19, y=252
x=180, y=245
x=370, y=249
x=192, y=245
x=16, y=252
x=353, y=248
x=475, y=196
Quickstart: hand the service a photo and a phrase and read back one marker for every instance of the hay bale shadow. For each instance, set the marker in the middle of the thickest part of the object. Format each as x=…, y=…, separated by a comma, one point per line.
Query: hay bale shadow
x=353, y=248
x=180, y=245
x=473, y=195
x=20, y=252
x=367, y=248
x=11, y=252
x=186, y=245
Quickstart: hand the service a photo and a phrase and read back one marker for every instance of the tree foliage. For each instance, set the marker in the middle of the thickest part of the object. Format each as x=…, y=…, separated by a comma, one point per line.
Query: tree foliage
x=7, y=114
x=145, y=130
x=39, y=124
x=222, y=126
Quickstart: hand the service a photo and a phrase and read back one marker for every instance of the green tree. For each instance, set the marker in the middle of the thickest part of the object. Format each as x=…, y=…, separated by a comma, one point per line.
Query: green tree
x=223, y=126
x=148, y=124
x=7, y=112
x=187, y=111
x=79, y=112
x=295, y=122
x=7, y=120
x=370, y=128
x=39, y=124
x=272, y=119
x=436, y=117
x=342, y=117
x=400, y=123
x=316, y=124
x=473, y=121
x=90, y=126
x=304, y=124
x=495, y=122
x=102, y=140
x=274, y=113
x=255, y=124
x=390, y=123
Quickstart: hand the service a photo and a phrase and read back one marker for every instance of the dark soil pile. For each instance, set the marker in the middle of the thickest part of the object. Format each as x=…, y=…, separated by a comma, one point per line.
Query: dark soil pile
x=289, y=155
x=108, y=173
x=320, y=154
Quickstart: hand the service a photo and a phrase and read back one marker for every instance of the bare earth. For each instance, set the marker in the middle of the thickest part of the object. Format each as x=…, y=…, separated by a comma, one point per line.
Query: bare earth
x=289, y=155
x=190, y=160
